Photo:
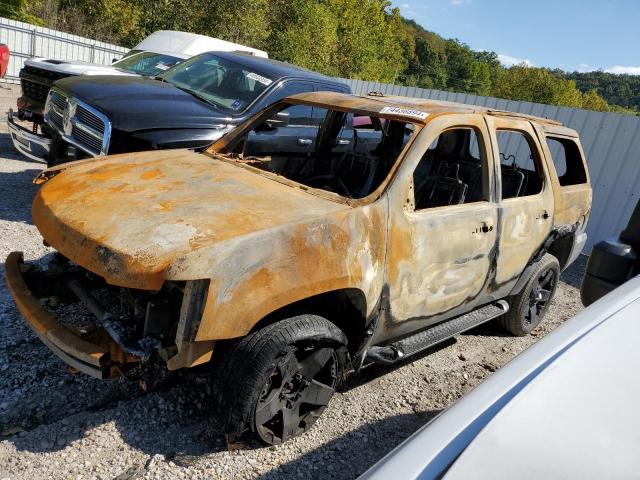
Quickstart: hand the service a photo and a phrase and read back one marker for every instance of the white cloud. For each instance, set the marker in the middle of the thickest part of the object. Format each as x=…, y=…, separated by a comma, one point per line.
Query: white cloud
x=407, y=10
x=508, y=60
x=620, y=69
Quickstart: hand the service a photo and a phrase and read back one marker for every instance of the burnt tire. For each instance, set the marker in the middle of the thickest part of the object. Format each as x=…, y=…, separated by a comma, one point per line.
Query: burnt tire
x=277, y=381
x=529, y=306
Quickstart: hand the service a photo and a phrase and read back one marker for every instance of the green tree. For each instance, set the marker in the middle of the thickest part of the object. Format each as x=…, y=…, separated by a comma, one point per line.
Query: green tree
x=465, y=73
x=592, y=101
x=491, y=60
x=240, y=21
x=427, y=67
x=367, y=48
x=531, y=84
x=20, y=10
x=305, y=33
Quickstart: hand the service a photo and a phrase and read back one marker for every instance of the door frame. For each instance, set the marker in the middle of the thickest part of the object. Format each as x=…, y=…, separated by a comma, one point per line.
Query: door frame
x=505, y=283
x=401, y=204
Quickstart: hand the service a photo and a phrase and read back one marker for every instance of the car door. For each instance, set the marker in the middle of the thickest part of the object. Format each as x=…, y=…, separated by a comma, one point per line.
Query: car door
x=292, y=132
x=442, y=225
x=525, y=194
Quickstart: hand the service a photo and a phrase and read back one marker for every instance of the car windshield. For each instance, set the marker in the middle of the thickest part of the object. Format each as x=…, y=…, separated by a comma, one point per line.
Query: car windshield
x=324, y=149
x=226, y=84
x=148, y=64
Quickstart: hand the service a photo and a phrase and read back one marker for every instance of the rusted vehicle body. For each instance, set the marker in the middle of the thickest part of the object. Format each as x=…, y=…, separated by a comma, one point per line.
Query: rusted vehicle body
x=287, y=265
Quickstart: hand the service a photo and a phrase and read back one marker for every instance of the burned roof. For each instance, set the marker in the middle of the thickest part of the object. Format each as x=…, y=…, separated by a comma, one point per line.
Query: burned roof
x=417, y=109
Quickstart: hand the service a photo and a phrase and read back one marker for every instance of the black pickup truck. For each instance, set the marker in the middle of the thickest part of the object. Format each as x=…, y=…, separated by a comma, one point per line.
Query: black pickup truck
x=188, y=106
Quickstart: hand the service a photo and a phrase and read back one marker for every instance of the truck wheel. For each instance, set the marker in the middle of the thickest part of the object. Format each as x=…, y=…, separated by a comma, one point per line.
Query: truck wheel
x=278, y=380
x=529, y=306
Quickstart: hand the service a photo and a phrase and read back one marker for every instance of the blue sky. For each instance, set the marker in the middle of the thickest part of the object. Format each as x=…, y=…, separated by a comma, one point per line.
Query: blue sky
x=569, y=34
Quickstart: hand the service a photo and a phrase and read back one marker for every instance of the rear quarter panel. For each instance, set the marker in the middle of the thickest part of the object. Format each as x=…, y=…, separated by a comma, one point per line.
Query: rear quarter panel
x=572, y=202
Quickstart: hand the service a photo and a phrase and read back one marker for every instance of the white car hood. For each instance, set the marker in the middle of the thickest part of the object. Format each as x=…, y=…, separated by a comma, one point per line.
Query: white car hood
x=578, y=419
x=75, y=67
x=567, y=407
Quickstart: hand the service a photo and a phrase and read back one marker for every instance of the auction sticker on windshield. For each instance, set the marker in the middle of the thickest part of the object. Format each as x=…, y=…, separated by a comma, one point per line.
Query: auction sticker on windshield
x=404, y=112
x=259, y=78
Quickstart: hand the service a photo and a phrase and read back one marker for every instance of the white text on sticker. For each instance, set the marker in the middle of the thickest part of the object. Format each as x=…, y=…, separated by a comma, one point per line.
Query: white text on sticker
x=404, y=112
x=259, y=78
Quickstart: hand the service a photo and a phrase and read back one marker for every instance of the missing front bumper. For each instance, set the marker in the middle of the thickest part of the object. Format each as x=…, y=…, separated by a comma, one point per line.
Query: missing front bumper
x=98, y=356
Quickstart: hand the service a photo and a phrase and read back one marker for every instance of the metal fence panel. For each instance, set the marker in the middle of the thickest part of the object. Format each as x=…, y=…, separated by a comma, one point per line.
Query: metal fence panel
x=611, y=142
x=26, y=41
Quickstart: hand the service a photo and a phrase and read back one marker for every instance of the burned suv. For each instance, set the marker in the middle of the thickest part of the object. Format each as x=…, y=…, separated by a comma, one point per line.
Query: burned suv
x=283, y=266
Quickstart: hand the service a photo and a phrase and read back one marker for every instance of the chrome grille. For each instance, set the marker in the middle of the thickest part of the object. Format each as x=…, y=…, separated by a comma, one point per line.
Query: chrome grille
x=78, y=123
x=90, y=119
x=58, y=100
x=55, y=120
x=86, y=138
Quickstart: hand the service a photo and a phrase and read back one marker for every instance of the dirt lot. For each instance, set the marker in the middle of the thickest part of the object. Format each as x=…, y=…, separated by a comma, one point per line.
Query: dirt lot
x=58, y=425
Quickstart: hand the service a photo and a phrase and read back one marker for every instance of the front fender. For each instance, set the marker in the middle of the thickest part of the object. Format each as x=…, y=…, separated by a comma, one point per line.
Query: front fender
x=253, y=276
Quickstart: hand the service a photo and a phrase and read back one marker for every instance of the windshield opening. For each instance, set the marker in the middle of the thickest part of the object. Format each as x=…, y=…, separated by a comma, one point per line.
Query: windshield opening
x=325, y=149
x=148, y=64
x=227, y=85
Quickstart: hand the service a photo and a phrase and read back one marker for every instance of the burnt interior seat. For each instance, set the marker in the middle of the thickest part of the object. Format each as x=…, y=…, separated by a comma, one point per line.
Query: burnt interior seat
x=444, y=188
x=513, y=181
x=471, y=174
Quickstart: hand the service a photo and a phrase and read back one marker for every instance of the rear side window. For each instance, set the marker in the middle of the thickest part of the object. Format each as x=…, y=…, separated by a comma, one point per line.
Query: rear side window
x=520, y=169
x=567, y=160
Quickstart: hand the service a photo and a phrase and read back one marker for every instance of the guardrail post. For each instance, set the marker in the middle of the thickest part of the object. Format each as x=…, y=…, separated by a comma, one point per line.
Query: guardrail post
x=93, y=53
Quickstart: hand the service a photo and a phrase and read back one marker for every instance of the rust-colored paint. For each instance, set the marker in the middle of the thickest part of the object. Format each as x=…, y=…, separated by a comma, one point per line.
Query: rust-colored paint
x=571, y=202
x=257, y=275
x=103, y=216
x=193, y=354
x=265, y=242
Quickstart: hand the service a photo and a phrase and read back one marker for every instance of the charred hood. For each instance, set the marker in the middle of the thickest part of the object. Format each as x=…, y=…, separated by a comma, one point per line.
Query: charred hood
x=140, y=103
x=128, y=217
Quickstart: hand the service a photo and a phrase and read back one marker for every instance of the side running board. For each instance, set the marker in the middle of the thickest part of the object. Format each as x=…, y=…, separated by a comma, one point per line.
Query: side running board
x=396, y=351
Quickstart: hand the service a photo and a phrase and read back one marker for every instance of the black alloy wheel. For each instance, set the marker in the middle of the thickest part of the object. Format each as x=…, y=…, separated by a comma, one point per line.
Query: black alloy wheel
x=543, y=288
x=296, y=393
x=530, y=304
x=277, y=381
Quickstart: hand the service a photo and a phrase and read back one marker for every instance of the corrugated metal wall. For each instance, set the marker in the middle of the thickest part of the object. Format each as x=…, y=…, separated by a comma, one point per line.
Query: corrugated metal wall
x=26, y=41
x=611, y=142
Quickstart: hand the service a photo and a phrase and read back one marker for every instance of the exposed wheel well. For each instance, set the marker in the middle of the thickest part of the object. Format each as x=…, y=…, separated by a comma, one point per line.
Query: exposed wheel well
x=561, y=249
x=345, y=308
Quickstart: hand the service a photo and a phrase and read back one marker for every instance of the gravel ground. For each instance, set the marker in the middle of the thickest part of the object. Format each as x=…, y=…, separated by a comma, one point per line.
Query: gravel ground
x=55, y=424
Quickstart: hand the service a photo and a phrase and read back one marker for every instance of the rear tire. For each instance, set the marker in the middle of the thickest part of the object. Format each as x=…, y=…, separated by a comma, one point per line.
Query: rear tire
x=277, y=381
x=531, y=304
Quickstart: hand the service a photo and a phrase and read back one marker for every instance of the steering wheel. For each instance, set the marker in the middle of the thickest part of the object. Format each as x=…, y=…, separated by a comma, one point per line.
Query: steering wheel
x=333, y=181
